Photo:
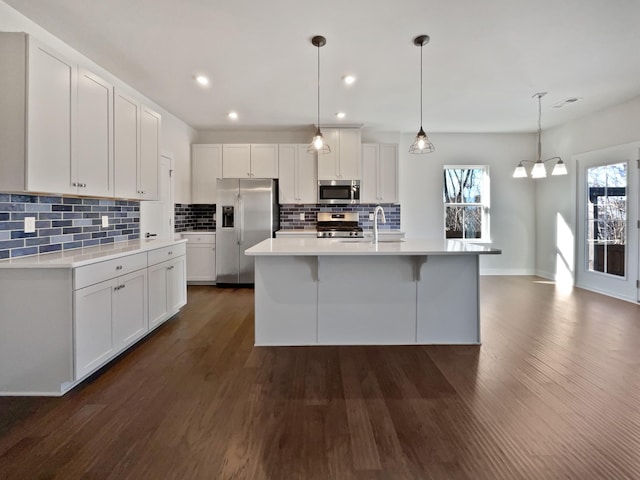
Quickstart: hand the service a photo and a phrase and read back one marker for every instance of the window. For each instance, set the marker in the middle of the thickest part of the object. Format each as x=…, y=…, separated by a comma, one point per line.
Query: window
x=606, y=222
x=466, y=202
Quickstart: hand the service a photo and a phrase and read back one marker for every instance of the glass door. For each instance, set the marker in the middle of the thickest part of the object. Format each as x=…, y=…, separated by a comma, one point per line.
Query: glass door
x=607, y=219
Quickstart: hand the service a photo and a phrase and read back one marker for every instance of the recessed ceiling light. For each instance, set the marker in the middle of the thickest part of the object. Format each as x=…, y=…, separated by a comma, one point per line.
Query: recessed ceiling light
x=340, y=115
x=349, y=79
x=202, y=80
x=233, y=115
x=566, y=101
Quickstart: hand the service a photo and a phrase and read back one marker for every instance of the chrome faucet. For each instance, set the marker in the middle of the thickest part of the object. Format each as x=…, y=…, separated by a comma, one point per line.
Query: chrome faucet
x=375, y=222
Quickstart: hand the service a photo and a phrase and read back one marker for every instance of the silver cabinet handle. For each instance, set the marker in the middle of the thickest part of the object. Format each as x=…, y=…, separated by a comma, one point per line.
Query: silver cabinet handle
x=75, y=184
x=170, y=268
x=119, y=267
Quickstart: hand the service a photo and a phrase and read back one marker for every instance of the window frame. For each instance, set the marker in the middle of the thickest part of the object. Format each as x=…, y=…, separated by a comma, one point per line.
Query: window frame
x=485, y=204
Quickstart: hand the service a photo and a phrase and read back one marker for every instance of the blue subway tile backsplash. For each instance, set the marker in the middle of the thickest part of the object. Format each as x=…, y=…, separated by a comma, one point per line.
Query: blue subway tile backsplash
x=63, y=223
x=290, y=215
x=194, y=217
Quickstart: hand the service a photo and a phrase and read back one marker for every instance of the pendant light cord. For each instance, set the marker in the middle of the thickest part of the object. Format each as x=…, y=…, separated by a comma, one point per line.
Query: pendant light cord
x=318, y=87
x=421, y=85
x=539, y=127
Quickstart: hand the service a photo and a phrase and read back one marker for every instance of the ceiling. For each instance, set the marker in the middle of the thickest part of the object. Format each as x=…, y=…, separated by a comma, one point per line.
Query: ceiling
x=484, y=62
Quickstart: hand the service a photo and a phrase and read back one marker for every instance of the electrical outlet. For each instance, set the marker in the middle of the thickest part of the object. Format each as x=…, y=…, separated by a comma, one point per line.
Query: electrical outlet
x=105, y=220
x=302, y=216
x=29, y=224
x=371, y=216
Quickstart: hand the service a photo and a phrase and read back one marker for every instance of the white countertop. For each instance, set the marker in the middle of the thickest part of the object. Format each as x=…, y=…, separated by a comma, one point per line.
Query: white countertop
x=296, y=231
x=326, y=247
x=84, y=256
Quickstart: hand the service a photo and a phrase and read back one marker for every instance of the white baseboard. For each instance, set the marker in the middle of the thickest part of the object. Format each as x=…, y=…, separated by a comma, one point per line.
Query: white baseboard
x=608, y=293
x=547, y=275
x=506, y=271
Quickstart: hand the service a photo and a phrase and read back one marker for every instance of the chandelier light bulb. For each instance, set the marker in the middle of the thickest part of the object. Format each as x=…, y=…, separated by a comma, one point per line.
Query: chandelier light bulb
x=317, y=142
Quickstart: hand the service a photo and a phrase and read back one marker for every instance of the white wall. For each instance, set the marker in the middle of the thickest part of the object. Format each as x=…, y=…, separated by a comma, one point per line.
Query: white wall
x=177, y=136
x=556, y=196
x=512, y=200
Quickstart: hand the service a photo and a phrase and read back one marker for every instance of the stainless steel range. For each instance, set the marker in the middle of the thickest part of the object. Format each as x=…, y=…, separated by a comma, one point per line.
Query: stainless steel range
x=338, y=225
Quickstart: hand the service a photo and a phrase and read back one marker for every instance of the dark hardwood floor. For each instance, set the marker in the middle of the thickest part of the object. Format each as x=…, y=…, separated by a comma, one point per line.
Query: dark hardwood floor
x=553, y=393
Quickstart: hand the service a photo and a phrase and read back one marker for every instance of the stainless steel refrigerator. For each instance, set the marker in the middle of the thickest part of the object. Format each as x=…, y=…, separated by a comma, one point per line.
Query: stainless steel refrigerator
x=247, y=213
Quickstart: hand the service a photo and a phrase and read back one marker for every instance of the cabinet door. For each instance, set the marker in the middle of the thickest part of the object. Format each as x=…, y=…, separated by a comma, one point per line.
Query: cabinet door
x=349, y=157
x=126, y=145
x=158, y=305
x=287, y=167
x=50, y=120
x=93, y=162
x=201, y=262
x=264, y=161
x=328, y=165
x=150, y=124
x=206, y=168
x=236, y=161
x=388, y=173
x=130, y=321
x=177, y=284
x=93, y=336
x=370, y=189
x=307, y=175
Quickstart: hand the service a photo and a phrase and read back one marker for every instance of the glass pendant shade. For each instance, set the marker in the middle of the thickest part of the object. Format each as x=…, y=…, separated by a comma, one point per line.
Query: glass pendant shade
x=421, y=144
x=520, y=171
x=318, y=144
x=559, y=169
x=538, y=170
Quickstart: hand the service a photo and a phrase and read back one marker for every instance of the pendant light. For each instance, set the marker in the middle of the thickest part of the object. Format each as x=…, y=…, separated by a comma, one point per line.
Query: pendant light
x=318, y=144
x=539, y=170
x=421, y=144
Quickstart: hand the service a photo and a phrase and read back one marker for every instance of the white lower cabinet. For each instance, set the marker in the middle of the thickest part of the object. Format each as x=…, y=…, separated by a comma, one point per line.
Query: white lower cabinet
x=75, y=318
x=112, y=312
x=167, y=290
x=93, y=333
x=109, y=317
x=201, y=257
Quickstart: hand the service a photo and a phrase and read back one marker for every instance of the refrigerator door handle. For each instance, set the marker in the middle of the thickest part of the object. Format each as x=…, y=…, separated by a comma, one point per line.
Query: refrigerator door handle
x=241, y=212
x=237, y=222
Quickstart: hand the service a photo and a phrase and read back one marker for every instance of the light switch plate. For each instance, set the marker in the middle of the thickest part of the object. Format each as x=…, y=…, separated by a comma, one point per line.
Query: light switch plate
x=302, y=216
x=105, y=220
x=29, y=224
x=371, y=216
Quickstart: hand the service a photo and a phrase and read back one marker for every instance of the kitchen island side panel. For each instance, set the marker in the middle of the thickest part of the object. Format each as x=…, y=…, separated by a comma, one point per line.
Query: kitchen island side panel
x=366, y=300
x=36, y=325
x=286, y=300
x=448, y=300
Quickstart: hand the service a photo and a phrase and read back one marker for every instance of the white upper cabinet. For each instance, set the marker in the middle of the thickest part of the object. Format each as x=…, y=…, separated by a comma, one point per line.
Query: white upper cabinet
x=206, y=168
x=379, y=173
x=136, y=142
x=51, y=103
x=37, y=116
x=236, y=160
x=298, y=175
x=150, y=125
x=343, y=163
x=264, y=161
x=92, y=166
x=245, y=160
x=127, y=145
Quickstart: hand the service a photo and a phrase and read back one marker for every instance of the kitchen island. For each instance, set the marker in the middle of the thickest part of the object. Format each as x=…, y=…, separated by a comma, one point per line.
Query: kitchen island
x=311, y=291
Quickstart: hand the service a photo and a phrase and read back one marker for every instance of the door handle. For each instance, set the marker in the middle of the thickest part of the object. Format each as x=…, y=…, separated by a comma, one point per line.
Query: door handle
x=241, y=208
x=237, y=220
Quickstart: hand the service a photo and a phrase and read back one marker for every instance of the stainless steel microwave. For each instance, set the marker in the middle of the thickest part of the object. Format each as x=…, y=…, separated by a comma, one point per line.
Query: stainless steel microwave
x=339, y=191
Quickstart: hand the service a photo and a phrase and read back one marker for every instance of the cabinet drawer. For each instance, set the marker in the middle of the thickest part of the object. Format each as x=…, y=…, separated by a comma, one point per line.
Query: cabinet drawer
x=199, y=238
x=166, y=253
x=101, y=271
